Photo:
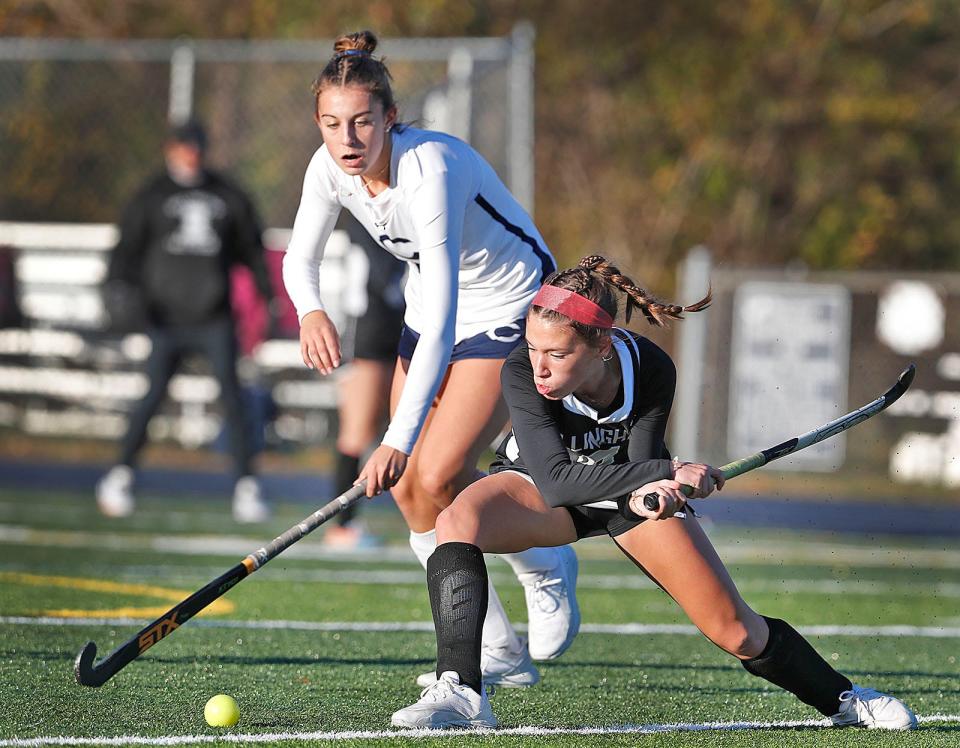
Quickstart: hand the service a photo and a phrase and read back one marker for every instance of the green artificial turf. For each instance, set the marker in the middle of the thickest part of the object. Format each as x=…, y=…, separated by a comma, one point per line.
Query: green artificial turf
x=55, y=550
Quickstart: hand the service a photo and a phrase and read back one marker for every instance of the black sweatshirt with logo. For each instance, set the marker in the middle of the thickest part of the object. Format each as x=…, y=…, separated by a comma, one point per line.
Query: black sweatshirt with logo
x=178, y=243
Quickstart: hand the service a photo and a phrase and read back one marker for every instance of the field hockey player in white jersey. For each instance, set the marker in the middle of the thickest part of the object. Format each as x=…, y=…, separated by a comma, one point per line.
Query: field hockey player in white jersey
x=589, y=404
x=475, y=262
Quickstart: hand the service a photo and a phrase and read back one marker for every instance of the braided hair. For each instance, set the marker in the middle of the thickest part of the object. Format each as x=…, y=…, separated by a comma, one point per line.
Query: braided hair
x=352, y=64
x=597, y=279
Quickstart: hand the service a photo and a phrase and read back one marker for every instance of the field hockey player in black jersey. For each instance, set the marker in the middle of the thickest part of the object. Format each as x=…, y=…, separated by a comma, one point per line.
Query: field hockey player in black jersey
x=589, y=404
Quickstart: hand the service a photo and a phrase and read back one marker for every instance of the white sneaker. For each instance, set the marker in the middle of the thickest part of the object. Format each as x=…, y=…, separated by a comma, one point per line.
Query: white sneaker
x=553, y=614
x=499, y=667
x=248, y=503
x=447, y=704
x=115, y=492
x=864, y=707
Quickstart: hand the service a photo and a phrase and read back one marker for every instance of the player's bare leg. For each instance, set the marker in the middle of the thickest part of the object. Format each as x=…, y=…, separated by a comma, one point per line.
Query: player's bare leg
x=693, y=575
x=363, y=415
x=468, y=413
x=547, y=570
x=420, y=513
x=504, y=513
x=469, y=416
x=457, y=581
x=364, y=397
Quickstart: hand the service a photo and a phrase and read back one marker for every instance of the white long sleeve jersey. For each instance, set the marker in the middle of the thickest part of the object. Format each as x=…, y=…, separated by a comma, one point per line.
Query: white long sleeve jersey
x=475, y=258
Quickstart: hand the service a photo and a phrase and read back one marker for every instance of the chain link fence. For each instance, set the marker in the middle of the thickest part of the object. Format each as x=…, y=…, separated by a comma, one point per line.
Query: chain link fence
x=84, y=121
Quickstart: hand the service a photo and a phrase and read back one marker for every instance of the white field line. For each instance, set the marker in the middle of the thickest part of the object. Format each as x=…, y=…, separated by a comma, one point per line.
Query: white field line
x=584, y=581
x=404, y=735
x=839, y=554
x=618, y=629
x=639, y=582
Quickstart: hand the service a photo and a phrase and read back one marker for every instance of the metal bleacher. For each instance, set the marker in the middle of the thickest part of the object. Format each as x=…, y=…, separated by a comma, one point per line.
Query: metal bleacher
x=63, y=374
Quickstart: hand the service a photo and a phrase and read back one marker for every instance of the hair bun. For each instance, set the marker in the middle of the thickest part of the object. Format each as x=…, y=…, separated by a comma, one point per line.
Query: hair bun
x=362, y=41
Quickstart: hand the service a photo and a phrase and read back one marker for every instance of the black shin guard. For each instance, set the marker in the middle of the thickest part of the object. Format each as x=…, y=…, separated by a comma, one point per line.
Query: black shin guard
x=790, y=662
x=457, y=581
x=346, y=469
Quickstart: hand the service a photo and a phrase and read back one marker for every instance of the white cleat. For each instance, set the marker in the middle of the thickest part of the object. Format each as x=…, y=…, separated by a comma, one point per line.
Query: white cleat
x=446, y=703
x=499, y=667
x=249, y=505
x=115, y=492
x=864, y=707
x=553, y=614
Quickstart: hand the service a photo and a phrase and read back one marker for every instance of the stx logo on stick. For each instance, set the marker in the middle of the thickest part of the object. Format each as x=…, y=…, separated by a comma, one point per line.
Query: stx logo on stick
x=157, y=632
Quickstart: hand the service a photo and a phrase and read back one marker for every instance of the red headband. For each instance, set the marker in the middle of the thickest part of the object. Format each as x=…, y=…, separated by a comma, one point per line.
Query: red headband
x=573, y=305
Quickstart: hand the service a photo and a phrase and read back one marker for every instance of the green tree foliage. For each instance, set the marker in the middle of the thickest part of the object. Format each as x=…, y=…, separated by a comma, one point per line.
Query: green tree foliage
x=823, y=132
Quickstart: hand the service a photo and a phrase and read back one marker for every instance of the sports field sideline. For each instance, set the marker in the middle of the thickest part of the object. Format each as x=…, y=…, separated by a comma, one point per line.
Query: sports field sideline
x=319, y=648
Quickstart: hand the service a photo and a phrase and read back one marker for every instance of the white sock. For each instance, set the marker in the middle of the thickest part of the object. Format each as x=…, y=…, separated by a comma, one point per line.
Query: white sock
x=497, y=631
x=532, y=561
x=423, y=545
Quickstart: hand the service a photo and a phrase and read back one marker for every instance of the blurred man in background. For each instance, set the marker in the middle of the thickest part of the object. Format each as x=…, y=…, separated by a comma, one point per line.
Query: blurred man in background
x=170, y=275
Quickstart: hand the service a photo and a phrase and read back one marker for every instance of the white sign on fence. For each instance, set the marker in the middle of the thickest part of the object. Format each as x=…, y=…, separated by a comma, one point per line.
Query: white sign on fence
x=788, y=369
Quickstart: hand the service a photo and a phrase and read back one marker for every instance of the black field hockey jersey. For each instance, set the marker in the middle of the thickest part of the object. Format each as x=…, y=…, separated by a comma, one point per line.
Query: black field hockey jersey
x=579, y=456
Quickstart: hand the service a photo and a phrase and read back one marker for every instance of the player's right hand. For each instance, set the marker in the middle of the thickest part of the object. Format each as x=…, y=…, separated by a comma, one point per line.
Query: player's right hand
x=672, y=499
x=319, y=342
x=383, y=469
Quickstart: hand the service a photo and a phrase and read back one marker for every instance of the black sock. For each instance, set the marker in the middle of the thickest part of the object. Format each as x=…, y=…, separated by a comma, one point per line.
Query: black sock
x=790, y=662
x=346, y=469
x=457, y=581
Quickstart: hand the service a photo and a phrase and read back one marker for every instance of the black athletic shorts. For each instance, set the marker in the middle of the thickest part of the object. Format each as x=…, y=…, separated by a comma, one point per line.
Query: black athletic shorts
x=591, y=522
x=373, y=336
x=588, y=521
x=371, y=296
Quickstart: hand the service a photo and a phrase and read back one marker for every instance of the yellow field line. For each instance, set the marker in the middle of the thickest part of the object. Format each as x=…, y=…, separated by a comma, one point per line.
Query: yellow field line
x=220, y=606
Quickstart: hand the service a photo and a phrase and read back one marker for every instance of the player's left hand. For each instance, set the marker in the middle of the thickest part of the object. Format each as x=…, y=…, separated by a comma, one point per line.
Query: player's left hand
x=383, y=469
x=701, y=478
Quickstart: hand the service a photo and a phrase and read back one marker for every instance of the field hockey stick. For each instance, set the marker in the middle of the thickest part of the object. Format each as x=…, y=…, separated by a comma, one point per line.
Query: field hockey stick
x=652, y=501
x=89, y=673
